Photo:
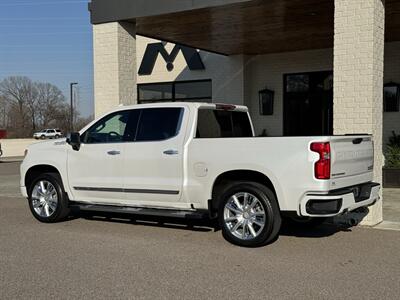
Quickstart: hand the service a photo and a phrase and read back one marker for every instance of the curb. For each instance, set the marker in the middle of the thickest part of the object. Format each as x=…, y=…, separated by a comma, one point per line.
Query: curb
x=388, y=225
x=10, y=159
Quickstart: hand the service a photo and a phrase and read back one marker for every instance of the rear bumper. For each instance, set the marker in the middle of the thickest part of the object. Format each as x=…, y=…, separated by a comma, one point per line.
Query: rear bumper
x=338, y=202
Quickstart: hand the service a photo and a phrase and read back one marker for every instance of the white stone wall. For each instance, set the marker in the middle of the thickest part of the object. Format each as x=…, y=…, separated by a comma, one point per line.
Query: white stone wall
x=226, y=72
x=114, y=48
x=127, y=63
x=358, y=77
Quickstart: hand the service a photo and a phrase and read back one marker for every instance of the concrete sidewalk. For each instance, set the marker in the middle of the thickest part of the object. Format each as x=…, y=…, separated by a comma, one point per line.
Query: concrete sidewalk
x=15, y=147
x=391, y=205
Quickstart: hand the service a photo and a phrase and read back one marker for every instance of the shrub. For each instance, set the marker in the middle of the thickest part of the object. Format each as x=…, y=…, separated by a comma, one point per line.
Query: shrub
x=394, y=140
x=393, y=156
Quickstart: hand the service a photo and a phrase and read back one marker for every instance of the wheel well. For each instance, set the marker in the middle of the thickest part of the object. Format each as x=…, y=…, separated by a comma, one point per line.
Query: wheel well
x=237, y=175
x=35, y=171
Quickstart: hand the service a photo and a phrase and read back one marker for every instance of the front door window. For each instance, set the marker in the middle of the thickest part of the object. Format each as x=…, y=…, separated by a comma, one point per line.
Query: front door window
x=110, y=129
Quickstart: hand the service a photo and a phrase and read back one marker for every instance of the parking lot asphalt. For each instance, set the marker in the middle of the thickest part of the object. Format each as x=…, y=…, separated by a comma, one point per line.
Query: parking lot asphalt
x=103, y=258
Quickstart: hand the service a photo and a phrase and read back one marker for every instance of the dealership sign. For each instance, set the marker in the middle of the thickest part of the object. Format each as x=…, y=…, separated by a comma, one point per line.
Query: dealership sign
x=191, y=55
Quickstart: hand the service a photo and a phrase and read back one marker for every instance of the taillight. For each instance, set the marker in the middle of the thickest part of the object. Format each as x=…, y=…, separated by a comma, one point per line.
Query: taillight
x=322, y=168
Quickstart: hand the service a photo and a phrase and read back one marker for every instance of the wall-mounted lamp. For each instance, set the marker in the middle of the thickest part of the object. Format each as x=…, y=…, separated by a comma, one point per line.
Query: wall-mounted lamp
x=266, y=98
x=391, y=96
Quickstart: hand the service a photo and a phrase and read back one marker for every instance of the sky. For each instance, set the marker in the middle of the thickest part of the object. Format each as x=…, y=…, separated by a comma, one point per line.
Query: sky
x=49, y=41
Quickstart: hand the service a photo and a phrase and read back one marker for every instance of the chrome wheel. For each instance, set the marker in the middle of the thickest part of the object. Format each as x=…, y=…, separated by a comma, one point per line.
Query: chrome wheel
x=244, y=216
x=44, y=198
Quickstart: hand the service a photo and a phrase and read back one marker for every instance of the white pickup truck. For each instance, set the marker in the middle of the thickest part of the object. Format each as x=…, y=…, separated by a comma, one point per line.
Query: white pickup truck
x=193, y=160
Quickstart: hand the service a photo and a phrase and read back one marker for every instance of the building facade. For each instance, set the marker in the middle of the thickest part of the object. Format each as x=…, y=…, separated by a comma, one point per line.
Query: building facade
x=311, y=67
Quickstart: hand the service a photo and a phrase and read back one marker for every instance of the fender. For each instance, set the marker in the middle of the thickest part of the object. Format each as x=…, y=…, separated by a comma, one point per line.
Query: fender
x=265, y=173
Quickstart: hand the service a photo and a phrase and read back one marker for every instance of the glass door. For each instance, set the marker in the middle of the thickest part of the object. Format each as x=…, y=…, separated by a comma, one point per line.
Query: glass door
x=308, y=104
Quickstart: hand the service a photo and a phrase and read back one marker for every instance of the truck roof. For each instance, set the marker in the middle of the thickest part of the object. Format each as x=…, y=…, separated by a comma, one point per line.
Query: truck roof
x=194, y=105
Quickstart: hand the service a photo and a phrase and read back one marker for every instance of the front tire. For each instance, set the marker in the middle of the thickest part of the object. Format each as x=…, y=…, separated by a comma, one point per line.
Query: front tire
x=47, y=200
x=248, y=214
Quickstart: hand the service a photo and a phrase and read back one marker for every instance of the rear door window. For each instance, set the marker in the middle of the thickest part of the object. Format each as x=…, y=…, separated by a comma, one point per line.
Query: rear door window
x=223, y=124
x=157, y=124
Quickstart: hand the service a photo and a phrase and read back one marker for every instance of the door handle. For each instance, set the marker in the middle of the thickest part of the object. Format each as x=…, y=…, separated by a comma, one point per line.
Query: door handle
x=114, y=152
x=171, y=152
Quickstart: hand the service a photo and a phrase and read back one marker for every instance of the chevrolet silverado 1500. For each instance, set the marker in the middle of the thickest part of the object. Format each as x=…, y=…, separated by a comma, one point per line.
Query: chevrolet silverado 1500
x=192, y=160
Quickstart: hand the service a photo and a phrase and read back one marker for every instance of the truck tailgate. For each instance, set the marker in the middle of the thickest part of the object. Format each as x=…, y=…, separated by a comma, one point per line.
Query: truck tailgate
x=352, y=158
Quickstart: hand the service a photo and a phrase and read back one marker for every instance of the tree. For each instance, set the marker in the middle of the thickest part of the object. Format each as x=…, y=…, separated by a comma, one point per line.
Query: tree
x=3, y=113
x=32, y=102
x=26, y=106
x=16, y=90
x=50, y=100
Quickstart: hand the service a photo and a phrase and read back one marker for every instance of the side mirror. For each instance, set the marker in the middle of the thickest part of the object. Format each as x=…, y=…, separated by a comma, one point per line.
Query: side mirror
x=74, y=139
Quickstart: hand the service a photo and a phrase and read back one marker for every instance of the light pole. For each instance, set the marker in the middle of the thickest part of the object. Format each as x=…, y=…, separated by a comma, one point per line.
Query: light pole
x=71, y=86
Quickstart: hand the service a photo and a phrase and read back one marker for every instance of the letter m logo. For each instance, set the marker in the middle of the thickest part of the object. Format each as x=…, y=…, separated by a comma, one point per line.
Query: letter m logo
x=191, y=56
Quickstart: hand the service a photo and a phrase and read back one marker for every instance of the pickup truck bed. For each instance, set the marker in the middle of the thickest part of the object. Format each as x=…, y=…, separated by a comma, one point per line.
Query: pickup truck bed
x=279, y=160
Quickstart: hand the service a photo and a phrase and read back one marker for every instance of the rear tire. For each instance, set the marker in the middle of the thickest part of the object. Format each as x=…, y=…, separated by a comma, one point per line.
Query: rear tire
x=47, y=199
x=249, y=214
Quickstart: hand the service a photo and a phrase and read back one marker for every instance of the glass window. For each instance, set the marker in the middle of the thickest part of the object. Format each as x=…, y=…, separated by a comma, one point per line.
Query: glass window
x=158, y=124
x=171, y=91
x=193, y=90
x=158, y=91
x=220, y=124
x=110, y=129
x=297, y=83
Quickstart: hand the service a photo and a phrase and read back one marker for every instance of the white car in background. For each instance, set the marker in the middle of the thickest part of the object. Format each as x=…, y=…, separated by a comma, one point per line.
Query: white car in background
x=48, y=134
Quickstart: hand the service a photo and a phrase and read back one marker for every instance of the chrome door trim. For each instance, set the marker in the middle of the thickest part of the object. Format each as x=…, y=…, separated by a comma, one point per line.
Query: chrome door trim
x=120, y=190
